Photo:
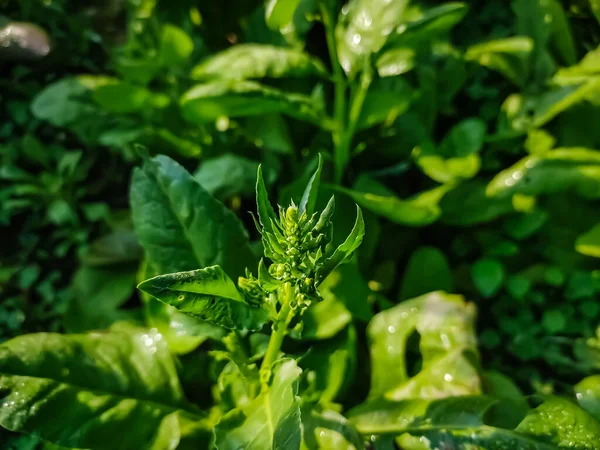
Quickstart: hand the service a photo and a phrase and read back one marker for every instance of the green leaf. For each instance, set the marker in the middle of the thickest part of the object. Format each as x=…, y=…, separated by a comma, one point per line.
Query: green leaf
x=97, y=297
x=445, y=324
x=246, y=61
x=208, y=294
x=175, y=46
x=279, y=13
x=563, y=169
x=509, y=56
x=465, y=138
x=122, y=97
x=118, y=247
x=587, y=392
x=488, y=276
x=595, y=7
x=325, y=319
x=589, y=242
x=271, y=421
x=363, y=28
x=468, y=205
x=427, y=270
x=266, y=213
x=227, y=175
x=384, y=103
x=419, y=210
x=62, y=103
x=328, y=430
x=309, y=198
x=344, y=250
x=347, y=285
x=122, y=383
x=207, y=102
x=181, y=226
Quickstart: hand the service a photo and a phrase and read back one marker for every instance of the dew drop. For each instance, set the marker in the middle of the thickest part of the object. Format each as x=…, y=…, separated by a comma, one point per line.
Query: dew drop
x=392, y=329
x=448, y=377
x=356, y=39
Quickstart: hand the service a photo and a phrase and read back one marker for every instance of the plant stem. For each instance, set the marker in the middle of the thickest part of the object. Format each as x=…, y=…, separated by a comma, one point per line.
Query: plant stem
x=343, y=150
x=279, y=331
x=339, y=88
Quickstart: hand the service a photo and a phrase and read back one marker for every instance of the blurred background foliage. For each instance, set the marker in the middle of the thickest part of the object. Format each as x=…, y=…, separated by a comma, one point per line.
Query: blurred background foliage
x=476, y=167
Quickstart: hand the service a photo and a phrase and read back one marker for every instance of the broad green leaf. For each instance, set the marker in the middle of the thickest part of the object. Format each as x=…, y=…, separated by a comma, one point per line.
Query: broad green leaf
x=175, y=46
x=245, y=61
x=121, y=383
x=122, y=97
x=509, y=56
x=427, y=270
x=344, y=250
x=227, y=175
x=587, y=392
x=97, y=295
x=208, y=294
x=279, y=13
x=328, y=430
x=422, y=27
x=458, y=422
x=385, y=103
x=445, y=324
x=561, y=170
x=63, y=102
x=207, y=102
x=333, y=362
x=589, y=242
x=363, y=28
x=488, y=276
x=468, y=205
x=419, y=210
x=118, y=247
x=181, y=226
x=271, y=421
x=309, y=198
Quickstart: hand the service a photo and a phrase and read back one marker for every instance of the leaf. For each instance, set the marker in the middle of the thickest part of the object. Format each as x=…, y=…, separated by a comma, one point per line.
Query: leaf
x=227, y=175
x=271, y=420
x=589, y=242
x=595, y=7
x=344, y=250
x=333, y=362
x=561, y=170
x=62, y=103
x=279, y=13
x=245, y=61
x=266, y=213
x=208, y=294
x=587, y=392
x=363, y=28
x=427, y=270
x=384, y=103
x=465, y=138
x=488, y=276
x=122, y=383
x=118, y=247
x=328, y=430
x=325, y=319
x=509, y=56
x=122, y=97
x=445, y=324
x=207, y=102
x=468, y=205
x=456, y=422
x=98, y=295
x=420, y=210
x=175, y=46
x=347, y=285
x=309, y=198
x=181, y=226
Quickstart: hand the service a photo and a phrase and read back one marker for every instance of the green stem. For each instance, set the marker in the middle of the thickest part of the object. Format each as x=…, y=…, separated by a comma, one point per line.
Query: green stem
x=339, y=88
x=343, y=153
x=280, y=326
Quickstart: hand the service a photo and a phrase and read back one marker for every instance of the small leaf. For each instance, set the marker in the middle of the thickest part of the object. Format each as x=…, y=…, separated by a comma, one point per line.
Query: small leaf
x=427, y=270
x=589, y=242
x=245, y=61
x=271, y=421
x=309, y=198
x=207, y=102
x=266, y=213
x=587, y=392
x=279, y=13
x=488, y=276
x=345, y=250
x=208, y=294
x=175, y=46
